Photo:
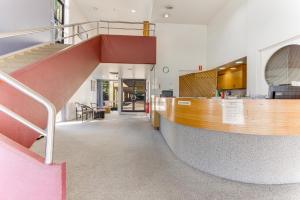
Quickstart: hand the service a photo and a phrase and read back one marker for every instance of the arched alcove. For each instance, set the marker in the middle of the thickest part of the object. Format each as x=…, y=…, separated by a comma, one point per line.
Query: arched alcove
x=284, y=66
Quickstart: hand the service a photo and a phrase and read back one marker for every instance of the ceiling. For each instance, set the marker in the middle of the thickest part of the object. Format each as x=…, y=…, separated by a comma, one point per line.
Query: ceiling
x=116, y=10
x=124, y=71
x=187, y=11
x=183, y=12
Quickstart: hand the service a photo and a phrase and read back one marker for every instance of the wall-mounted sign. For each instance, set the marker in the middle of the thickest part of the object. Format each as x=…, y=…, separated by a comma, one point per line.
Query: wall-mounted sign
x=200, y=67
x=185, y=103
x=233, y=111
x=296, y=83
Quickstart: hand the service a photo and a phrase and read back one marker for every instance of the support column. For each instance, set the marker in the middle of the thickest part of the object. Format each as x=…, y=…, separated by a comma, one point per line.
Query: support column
x=120, y=91
x=100, y=93
x=146, y=31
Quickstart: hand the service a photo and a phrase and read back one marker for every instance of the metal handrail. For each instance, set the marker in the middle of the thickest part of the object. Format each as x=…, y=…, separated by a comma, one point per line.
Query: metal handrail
x=50, y=130
x=40, y=29
x=62, y=27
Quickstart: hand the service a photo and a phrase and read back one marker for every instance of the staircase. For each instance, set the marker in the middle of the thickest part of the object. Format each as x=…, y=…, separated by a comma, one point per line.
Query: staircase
x=37, y=81
x=12, y=62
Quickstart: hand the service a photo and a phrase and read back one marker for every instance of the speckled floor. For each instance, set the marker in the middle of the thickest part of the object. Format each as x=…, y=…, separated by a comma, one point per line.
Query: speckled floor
x=123, y=158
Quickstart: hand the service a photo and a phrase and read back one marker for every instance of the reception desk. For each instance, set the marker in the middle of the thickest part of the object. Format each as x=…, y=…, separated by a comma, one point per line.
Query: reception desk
x=252, y=141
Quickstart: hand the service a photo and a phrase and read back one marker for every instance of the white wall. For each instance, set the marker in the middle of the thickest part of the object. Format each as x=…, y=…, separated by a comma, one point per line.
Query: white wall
x=74, y=14
x=181, y=48
x=227, y=34
x=244, y=27
x=16, y=15
x=269, y=22
x=83, y=95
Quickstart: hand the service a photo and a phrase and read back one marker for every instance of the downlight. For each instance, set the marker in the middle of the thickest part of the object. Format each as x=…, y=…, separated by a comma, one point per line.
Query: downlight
x=166, y=15
x=168, y=8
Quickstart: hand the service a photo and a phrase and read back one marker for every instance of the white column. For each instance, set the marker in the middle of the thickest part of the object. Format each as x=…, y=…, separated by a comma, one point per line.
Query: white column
x=120, y=90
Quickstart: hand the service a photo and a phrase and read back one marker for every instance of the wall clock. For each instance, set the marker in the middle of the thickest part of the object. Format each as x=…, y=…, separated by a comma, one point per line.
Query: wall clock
x=166, y=69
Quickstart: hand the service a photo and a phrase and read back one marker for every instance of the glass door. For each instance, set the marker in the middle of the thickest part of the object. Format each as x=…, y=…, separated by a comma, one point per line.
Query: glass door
x=133, y=95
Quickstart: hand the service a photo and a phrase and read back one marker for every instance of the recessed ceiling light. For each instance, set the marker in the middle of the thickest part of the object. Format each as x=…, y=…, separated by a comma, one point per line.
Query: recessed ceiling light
x=222, y=68
x=239, y=62
x=233, y=68
x=166, y=15
x=133, y=11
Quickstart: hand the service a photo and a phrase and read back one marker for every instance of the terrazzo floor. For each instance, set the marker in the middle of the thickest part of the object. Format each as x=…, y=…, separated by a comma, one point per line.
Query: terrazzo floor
x=123, y=158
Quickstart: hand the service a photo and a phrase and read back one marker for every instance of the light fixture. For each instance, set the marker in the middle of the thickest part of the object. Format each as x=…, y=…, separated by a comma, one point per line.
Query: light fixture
x=133, y=11
x=166, y=15
x=239, y=62
x=222, y=68
x=233, y=68
x=169, y=7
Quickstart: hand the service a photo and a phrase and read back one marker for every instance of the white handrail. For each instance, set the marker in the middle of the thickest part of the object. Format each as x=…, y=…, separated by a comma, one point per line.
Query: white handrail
x=61, y=28
x=50, y=130
x=39, y=30
x=23, y=120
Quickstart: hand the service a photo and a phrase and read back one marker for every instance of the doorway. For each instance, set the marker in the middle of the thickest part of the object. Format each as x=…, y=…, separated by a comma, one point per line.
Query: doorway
x=107, y=94
x=133, y=95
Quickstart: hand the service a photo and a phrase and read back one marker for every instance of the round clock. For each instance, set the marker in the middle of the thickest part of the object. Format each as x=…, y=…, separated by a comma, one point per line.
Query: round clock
x=166, y=69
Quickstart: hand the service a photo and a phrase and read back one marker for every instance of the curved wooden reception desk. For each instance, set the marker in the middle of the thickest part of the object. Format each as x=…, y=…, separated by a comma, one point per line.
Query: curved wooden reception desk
x=252, y=141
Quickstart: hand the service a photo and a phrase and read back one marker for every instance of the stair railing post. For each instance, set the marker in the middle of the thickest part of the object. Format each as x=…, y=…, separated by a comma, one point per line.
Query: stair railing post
x=73, y=33
x=98, y=28
x=50, y=134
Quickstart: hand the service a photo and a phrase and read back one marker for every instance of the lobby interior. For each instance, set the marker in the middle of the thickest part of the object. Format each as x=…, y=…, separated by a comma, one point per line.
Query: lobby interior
x=150, y=99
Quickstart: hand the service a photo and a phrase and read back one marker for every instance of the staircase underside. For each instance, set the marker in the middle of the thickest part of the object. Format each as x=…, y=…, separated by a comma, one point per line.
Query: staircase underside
x=57, y=77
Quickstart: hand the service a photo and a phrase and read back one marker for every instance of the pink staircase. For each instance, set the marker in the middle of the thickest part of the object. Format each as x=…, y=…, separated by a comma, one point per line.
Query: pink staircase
x=23, y=174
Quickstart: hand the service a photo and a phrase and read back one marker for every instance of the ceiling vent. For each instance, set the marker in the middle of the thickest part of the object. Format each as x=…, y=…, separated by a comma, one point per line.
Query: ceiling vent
x=169, y=7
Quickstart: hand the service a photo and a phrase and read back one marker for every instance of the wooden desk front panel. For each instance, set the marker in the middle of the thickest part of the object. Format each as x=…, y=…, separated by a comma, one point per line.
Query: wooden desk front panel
x=261, y=117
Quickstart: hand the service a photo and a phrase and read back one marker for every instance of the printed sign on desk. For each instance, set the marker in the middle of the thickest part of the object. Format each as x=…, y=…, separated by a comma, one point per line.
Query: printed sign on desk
x=185, y=103
x=233, y=111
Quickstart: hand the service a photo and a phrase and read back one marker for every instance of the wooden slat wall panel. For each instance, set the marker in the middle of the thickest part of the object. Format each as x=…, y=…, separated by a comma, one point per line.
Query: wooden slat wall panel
x=202, y=84
x=187, y=85
x=206, y=83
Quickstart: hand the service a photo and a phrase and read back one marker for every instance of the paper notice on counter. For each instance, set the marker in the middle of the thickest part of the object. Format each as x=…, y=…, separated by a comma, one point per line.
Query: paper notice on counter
x=233, y=112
